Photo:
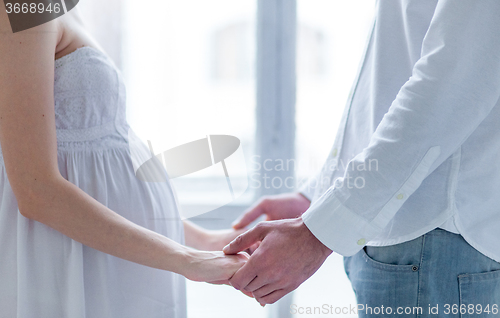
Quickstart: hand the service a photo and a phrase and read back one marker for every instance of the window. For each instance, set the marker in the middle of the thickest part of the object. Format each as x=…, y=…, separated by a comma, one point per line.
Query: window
x=331, y=39
x=189, y=71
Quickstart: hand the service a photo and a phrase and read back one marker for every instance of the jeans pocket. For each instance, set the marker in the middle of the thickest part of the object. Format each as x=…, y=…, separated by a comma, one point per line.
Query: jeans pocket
x=382, y=288
x=479, y=295
x=384, y=259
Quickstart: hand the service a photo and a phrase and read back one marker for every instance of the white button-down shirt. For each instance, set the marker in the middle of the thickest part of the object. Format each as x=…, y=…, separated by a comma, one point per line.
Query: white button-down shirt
x=419, y=142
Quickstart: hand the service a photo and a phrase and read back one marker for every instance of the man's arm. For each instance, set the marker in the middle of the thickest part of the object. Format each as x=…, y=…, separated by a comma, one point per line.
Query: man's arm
x=454, y=86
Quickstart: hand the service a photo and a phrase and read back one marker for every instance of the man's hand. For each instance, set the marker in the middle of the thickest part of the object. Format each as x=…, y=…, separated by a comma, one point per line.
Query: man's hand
x=288, y=255
x=211, y=240
x=276, y=207
x=215, y=240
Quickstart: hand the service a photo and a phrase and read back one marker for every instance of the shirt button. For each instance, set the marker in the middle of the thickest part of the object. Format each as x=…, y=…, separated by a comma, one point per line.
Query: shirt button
x=400, y=196
x=334, y=152
x=361, y=241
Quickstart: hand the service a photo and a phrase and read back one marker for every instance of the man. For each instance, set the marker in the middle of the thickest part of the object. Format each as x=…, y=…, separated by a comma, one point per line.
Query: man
x=415, y=211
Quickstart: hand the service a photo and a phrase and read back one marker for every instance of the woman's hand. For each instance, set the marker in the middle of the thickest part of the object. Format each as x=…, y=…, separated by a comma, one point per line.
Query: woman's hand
x=216, y=239
x=213, y=267
x=211, y=240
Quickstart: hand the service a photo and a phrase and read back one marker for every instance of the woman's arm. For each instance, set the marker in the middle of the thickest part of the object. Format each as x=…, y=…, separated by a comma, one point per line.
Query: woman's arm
x=208, y=240
x=28, y=140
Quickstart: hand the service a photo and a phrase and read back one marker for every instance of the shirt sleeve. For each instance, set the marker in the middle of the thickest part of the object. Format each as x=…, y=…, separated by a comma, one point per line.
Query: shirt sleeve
x=453, y=87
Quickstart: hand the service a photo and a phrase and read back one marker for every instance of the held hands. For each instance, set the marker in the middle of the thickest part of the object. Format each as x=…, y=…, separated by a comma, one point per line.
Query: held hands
x=217, y=239
x=208, y=240
x=205, y=260
x=278, y=247
x=213, y=267
x=288, y=255
x=275, y=207
x=283, y=206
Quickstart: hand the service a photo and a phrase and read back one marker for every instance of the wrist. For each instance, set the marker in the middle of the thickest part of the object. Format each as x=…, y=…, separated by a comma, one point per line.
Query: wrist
x=325, y=251
x=189, y=257
x=177, y=260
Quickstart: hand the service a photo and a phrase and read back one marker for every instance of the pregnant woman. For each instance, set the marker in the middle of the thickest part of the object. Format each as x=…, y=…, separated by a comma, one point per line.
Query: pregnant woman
x=80, y=234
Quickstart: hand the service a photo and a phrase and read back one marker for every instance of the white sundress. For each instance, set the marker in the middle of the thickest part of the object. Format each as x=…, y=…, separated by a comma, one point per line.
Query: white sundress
x=45, y=274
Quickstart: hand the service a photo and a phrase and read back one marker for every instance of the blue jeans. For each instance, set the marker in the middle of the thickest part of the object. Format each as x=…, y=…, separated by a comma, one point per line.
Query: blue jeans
x=436, y=275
